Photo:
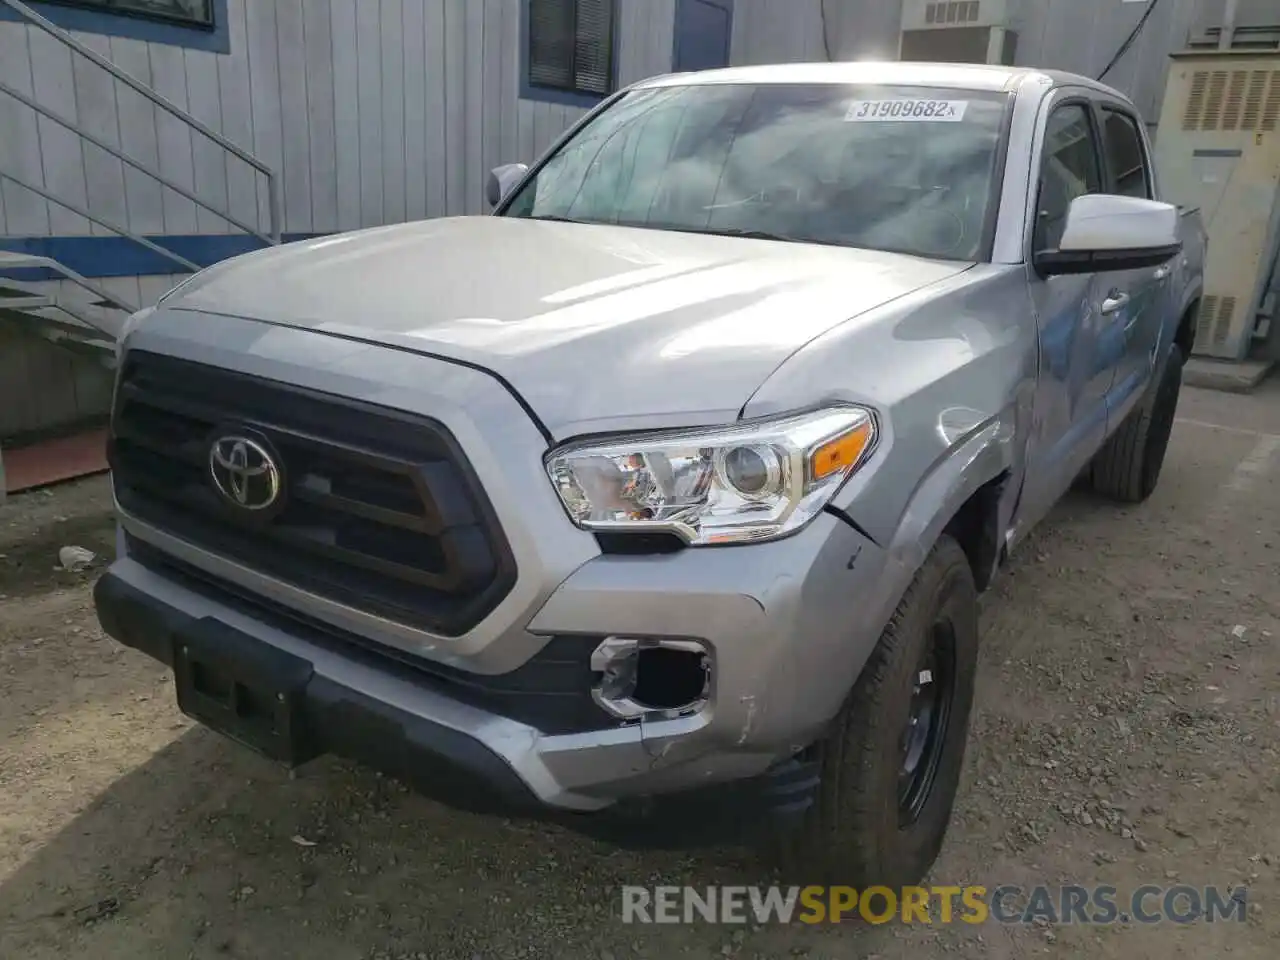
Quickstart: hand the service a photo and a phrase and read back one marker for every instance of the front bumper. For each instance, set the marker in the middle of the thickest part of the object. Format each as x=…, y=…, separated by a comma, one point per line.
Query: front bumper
x=788, y=624
x=776, y=617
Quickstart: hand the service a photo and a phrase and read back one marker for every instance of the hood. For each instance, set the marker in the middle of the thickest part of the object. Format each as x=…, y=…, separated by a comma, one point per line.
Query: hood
x=588, y=323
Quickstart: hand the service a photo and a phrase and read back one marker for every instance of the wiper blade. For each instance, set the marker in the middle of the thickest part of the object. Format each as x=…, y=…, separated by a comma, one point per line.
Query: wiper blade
x=752, y=234
x=555, y=218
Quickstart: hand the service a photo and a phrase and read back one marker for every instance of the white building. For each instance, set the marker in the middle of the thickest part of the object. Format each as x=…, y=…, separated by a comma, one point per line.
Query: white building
x=329, y=115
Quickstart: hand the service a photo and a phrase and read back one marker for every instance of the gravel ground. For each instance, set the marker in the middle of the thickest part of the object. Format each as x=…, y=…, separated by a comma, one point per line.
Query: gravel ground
x=1126, y=733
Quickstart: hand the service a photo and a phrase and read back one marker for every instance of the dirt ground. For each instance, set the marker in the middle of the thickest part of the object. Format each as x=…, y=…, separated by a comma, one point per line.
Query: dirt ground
x=1126, y=733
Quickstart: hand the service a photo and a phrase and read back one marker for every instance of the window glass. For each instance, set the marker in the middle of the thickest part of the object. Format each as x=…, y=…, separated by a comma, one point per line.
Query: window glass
x=1070, y=170
x=199, y=12
x=908, y=169
x=1125, y=156
x=571, y=45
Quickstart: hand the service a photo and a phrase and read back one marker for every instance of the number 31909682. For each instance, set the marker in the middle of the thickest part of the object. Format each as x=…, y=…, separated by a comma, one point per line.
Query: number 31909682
x=907, y=109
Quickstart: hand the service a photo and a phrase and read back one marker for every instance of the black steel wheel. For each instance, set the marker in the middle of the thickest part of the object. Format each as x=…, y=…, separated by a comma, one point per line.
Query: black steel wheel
x=891, y=762
x=925, y=733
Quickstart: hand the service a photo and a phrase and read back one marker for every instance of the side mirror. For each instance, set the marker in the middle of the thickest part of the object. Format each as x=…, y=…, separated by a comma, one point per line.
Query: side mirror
x=502, y=180
x=1107, y=232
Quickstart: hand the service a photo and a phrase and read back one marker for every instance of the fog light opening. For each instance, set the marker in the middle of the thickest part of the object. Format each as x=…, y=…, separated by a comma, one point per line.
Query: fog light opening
x=651, y=678
x=669, y=679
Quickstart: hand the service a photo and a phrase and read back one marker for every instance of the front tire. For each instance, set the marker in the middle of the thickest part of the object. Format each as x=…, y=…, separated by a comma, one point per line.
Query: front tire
x=1127, y=468
x=891, y=762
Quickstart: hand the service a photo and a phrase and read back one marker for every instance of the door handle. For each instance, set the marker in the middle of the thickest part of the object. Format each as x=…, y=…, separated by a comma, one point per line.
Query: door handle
x=1161, y=272
x=1115, y=300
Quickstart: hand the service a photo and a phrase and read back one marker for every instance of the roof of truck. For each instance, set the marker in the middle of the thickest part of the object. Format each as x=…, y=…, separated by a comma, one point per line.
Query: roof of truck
x=967, y=76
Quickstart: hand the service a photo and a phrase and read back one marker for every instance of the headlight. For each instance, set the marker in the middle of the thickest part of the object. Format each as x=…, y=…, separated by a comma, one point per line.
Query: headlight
x=750, y=481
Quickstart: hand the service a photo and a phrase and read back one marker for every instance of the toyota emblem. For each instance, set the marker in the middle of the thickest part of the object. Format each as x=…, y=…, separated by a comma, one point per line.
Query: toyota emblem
x=244, y=472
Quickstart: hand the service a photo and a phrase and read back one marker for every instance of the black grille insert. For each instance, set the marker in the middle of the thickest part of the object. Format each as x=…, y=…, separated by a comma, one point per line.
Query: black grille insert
x=380, y=509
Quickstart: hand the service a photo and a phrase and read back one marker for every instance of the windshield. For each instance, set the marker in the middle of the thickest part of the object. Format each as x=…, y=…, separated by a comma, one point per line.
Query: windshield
x=904, y=169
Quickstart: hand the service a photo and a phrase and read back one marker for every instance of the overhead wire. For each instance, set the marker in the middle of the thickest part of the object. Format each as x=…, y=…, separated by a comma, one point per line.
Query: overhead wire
x=1131, y=39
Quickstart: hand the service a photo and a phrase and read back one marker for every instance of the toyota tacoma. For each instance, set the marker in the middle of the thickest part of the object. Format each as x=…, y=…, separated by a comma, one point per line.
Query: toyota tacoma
x=665, y=493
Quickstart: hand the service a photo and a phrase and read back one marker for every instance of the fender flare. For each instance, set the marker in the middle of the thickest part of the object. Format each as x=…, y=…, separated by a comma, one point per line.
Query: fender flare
x=986, y=454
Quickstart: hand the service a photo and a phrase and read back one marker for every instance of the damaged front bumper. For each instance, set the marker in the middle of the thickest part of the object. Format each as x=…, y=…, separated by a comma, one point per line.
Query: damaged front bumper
x=769, y=623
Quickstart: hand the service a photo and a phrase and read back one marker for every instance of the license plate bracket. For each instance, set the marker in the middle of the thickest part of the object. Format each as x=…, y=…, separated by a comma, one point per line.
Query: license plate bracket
x=245, y=689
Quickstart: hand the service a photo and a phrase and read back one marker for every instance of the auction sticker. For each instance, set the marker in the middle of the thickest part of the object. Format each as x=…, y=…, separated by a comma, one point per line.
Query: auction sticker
x=906, y=108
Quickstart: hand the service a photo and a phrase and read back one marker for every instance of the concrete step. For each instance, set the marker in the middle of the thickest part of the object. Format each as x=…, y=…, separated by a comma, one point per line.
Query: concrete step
x=1231, y=376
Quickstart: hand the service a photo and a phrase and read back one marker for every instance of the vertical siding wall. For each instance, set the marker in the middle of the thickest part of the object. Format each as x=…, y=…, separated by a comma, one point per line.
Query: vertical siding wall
x=768, y=31
x=378, y=111
x=372, y=111
x=1083, y=35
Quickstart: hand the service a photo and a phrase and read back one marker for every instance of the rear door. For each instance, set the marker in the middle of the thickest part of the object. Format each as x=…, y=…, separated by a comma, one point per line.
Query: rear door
x=1076, y=368
x=1135, y=302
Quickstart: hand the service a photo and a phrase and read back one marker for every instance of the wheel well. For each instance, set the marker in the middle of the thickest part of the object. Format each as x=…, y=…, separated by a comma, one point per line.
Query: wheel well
x=976, y=527
x=1185, y=338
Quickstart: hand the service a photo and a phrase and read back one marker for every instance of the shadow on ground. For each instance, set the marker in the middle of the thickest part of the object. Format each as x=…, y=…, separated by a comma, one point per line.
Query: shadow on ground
x=207, y=851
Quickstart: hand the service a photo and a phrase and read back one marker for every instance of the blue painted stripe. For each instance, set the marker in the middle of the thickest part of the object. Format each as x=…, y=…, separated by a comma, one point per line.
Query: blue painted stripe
x=121, y=257
x=136, y=26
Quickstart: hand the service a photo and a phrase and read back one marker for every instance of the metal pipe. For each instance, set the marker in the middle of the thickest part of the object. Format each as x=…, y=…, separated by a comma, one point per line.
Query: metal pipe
x=100, y=221
x=273, y=208
x=1227, y=33
x=137, y=165
x=89, y=53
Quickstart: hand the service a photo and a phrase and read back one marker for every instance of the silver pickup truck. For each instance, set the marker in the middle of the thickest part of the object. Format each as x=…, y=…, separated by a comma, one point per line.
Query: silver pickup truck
x=661, y=499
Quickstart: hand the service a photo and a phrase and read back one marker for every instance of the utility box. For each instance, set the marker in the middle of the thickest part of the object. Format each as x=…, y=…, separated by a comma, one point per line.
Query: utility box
x=1219, y=149
x=958, y=31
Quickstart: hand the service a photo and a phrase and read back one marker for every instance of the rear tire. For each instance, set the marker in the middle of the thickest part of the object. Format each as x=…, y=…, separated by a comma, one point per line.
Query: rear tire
x=1127, y=468
x=878, y=819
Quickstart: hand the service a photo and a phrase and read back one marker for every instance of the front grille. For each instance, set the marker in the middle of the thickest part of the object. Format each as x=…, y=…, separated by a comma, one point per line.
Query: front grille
x=379, y=509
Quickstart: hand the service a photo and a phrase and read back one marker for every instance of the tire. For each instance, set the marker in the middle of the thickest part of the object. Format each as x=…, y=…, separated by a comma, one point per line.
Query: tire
x=1127, y=468
x=856, y=833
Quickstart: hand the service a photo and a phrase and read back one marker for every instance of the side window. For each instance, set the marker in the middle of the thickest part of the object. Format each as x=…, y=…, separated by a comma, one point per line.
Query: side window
x=197, y=13
x=1070, y=170
x=1125, y=155
x=569, y=48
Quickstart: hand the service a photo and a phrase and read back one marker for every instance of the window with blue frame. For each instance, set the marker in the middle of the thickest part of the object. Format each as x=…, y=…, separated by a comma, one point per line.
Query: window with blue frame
x=194, y=24
x=569, y=49
x=195, y=13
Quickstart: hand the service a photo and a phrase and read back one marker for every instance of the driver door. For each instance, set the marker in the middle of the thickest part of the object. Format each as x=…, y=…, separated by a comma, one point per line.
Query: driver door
x=1077, y=360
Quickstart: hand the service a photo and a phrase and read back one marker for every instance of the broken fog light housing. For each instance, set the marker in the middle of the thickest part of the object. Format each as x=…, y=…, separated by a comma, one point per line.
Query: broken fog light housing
x=651, y=677
x=750, y=481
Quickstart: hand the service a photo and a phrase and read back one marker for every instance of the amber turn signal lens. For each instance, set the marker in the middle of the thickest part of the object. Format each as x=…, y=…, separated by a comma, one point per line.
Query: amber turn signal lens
x=840, y=454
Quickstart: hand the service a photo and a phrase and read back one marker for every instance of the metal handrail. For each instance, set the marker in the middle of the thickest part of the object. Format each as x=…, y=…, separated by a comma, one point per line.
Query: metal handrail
x=103, y=222
x=63, y=37
x=26, y=261
x=124, y=157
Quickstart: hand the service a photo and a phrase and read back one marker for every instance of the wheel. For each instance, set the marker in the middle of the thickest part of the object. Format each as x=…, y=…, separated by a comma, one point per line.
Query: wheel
x=891, y=761
x=1127, y=467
